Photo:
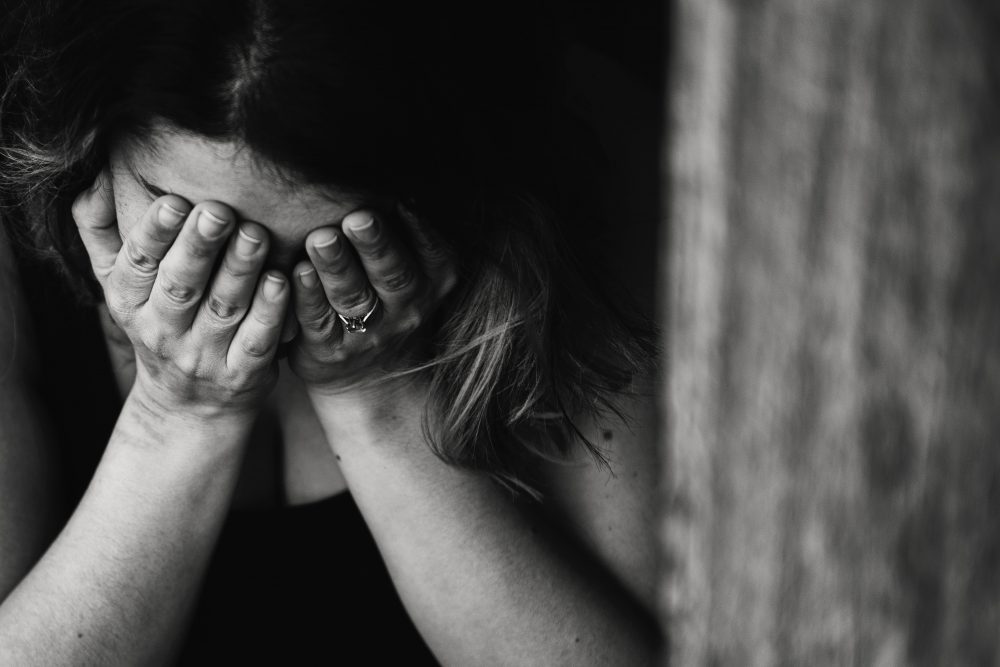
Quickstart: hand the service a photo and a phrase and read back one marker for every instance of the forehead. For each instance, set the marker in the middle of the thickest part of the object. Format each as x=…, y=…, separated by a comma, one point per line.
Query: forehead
x=200, y=169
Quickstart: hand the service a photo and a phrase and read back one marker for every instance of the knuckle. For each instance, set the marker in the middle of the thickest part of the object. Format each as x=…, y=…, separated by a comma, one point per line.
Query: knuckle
x=138, y=258
x=319, y=319
x=266, y=318
x=410, y=321
x=223, y=309
x=254, y=347
x=188, y=363
x=339, y=270
x=336, y=356
x=398, y=279
x=379, y=248
x=199, y=249
x=118, y=306
x=102, y=271
x=160, y=232
x=155, y=343
x=447, y=282
x=355, y=301
x=79, y=209
x=177, y=292
x=239, y=269
x=83, y=211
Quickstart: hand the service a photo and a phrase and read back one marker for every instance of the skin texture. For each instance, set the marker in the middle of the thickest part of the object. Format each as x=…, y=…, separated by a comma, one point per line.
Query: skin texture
x=486, y=580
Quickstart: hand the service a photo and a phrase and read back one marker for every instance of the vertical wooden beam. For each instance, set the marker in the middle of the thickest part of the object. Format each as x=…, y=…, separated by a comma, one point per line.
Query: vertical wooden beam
x=833, y=325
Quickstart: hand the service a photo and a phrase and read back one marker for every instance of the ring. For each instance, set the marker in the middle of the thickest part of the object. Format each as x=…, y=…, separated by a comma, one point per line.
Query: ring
x=357, y=324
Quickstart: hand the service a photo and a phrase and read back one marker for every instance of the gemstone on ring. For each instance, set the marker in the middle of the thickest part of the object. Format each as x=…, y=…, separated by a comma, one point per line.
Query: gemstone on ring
x=358, y=324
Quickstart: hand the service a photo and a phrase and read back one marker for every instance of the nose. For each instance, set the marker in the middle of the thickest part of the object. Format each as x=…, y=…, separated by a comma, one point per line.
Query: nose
x=283, y=256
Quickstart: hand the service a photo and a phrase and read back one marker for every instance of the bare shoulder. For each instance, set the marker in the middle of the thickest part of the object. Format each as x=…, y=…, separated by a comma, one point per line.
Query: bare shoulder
x=612, y=509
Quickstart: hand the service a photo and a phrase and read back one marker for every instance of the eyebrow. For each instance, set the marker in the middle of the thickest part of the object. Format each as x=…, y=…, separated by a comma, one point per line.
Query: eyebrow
x=154, y=190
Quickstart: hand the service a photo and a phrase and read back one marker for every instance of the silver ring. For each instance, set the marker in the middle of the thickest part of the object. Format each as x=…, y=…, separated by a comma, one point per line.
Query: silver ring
x=358, y=324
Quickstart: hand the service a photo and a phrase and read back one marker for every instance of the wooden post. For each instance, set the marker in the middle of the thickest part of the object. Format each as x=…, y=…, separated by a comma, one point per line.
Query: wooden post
x=832, y=393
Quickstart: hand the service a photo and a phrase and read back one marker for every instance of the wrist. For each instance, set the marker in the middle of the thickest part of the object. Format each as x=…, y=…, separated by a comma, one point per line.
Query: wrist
x=148, y=420
x=385, y=414
x=371, y=399
x=156, y=403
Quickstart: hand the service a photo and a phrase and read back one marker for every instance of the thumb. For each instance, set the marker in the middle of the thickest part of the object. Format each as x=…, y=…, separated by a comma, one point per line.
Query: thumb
x=94, y=213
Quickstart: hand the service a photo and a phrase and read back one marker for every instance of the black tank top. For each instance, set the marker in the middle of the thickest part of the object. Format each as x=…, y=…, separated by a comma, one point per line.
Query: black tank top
x=296, y=585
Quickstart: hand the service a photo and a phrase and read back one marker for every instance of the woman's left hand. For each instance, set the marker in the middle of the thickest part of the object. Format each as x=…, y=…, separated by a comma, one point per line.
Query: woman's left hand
x=362, y=297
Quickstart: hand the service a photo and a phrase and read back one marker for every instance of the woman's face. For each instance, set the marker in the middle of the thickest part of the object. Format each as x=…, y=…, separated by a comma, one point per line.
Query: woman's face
x=198, y=169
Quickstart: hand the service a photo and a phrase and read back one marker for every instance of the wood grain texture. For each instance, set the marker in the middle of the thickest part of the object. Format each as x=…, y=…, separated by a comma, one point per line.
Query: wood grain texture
x=832, y=397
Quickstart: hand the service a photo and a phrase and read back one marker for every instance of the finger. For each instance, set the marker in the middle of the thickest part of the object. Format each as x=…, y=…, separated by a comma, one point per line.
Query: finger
x=341, y=274
x=434, y=254
x=184, y=272
x=94, y=213
x=257, y=337
x=144, y=248
x=231, y=292
x=431, y=248
x=318, y=323
x=390, y=268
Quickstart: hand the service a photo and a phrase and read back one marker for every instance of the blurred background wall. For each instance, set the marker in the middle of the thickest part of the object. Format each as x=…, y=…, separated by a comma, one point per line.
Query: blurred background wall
x=831, y=279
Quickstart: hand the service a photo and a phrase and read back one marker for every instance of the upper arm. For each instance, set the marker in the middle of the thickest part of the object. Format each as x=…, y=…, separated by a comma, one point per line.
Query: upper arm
x=27, y=475
x=614, y=512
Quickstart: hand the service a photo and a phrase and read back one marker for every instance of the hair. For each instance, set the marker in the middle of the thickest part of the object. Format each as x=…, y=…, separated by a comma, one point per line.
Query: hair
x=462, y=116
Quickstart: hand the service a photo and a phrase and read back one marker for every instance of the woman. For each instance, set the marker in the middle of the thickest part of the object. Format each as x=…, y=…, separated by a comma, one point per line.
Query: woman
x=339, y=281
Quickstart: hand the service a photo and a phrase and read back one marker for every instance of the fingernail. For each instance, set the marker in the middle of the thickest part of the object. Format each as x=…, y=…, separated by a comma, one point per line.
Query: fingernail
x=308, y=278
x=170, y=216
x=210, y=225
x=367, y=230
x=329, y=248
x=246, y=243
x=273, y=285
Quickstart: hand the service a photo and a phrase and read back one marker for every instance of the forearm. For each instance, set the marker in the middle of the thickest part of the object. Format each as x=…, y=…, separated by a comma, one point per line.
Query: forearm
x=117, y=584
x=485, y=582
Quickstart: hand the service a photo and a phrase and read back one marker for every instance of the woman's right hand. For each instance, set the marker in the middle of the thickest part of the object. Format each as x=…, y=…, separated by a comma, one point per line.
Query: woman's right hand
x=203, y=342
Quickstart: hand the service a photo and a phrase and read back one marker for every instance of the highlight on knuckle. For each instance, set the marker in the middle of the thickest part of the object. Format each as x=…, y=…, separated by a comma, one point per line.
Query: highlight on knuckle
x=223, y=309
x=82, y=212
x=79, y=210
x=177, y=292
x=398, y=280
x=255, y=347
x=139, y=259
x=189, y=363
x=154, y=341
x=410, y=321
x=447, y=282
